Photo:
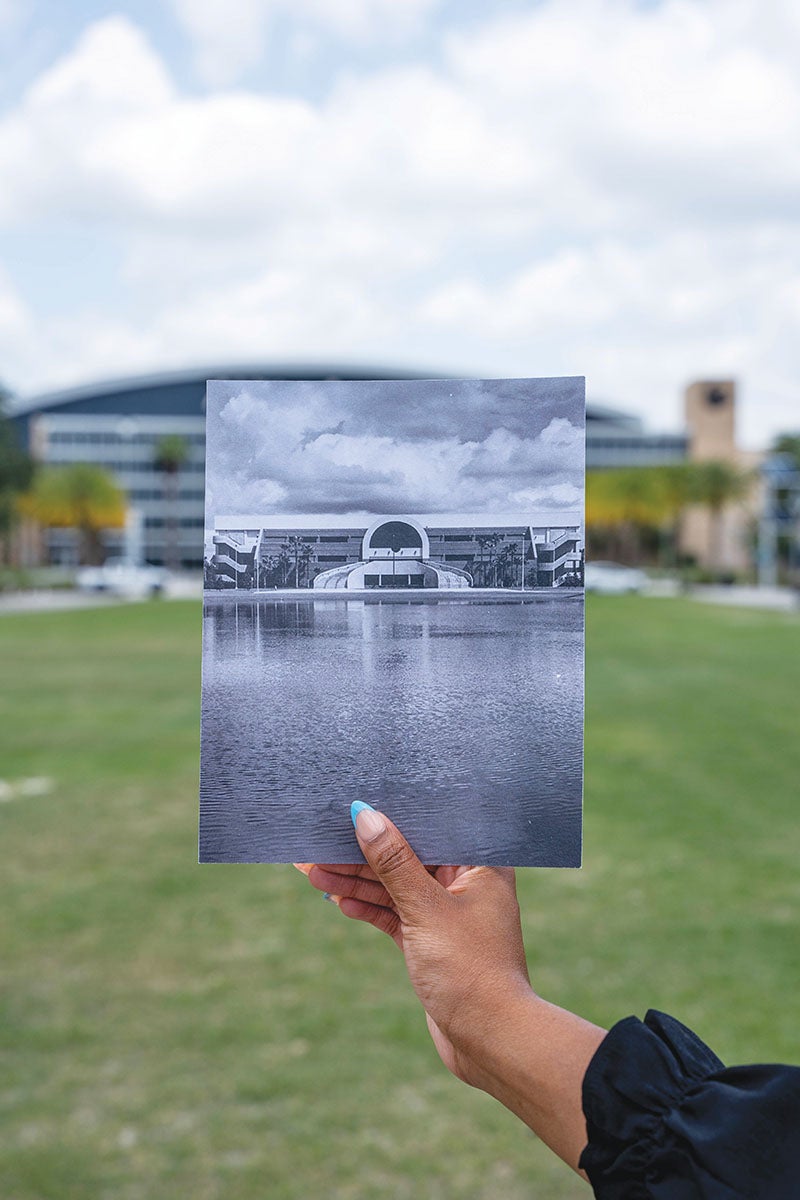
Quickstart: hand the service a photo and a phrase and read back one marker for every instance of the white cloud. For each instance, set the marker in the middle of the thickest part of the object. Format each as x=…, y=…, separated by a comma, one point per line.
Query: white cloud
x=15, y=320
x=263, y=452
x=584, y=186
x=230, y=38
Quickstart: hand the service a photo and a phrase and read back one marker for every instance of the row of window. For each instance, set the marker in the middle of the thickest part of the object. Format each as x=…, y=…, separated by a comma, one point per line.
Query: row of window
x=131, y=466
x=184, y=522
x=69, y=437
x=401, y=581
x=652, y=442
x=339, y=539
x=160, y=494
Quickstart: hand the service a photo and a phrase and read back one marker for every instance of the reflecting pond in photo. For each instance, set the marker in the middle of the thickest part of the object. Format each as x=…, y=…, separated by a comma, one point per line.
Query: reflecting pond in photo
x=462, y=718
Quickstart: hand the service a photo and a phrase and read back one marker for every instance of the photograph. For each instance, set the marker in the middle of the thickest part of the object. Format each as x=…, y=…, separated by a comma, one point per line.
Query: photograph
x=393, y=613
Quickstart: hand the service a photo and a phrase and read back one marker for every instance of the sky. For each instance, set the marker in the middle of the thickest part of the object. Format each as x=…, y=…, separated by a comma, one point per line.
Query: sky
x=422, y=446
x=607, y=188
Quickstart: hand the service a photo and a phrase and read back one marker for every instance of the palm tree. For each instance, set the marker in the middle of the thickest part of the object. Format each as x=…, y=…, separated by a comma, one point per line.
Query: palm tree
x=636, y=499
x=488, y=546
x=508, y=560
x=714, y=485
x=298, y=553
x=674, y=488
x=170, y=454
x=79, y=496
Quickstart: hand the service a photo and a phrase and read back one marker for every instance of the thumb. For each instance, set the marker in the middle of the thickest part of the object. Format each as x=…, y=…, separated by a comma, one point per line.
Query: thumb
x=412, y=889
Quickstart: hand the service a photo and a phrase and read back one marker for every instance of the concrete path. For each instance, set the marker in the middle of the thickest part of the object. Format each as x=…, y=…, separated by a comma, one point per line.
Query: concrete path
x=48, y=600
x=777, y=599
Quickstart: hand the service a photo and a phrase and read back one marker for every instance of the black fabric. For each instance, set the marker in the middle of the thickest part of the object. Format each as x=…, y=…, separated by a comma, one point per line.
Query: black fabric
x=667, y=1121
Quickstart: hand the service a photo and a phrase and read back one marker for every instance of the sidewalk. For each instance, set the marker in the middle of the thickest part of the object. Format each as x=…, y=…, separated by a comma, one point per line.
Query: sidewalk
x=777, y=599
x=181, y=587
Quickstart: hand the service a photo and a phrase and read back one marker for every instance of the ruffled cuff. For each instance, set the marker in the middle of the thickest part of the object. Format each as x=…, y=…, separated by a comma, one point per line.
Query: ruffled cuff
x=667, y=1121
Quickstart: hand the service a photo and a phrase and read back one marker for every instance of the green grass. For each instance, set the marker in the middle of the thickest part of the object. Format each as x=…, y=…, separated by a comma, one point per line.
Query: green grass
x=171, y=1030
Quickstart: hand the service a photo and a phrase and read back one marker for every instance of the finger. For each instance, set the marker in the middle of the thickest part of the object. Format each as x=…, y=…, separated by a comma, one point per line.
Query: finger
x=384, y=919
x=363, y=870
x=470, y=878
x=447, y=875
x=413, y=891
x=367, y=890
x=303, y=868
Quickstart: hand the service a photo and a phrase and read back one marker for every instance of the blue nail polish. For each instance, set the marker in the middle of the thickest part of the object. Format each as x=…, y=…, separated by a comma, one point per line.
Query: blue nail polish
x=358, y=806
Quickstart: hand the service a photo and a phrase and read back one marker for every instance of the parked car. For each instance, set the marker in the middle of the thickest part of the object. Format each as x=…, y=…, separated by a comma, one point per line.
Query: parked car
x=122, y=578
x=613, y=579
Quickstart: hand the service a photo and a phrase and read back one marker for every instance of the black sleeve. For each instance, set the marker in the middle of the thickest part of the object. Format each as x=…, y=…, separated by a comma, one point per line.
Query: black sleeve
x=667, y=1121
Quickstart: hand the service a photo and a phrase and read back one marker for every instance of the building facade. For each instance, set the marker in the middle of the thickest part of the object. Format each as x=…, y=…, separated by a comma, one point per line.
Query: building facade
x=119, y=425
x=441, y=550
x=617, y=439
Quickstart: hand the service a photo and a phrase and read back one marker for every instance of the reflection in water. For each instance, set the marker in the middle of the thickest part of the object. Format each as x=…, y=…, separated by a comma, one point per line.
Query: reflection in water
x=461, y=718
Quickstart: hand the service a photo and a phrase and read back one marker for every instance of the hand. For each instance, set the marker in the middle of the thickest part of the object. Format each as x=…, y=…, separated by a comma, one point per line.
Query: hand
x=458, y=929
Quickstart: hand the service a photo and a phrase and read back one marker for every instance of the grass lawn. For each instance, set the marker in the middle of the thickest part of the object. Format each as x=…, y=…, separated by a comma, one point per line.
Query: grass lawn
x=168, y=1030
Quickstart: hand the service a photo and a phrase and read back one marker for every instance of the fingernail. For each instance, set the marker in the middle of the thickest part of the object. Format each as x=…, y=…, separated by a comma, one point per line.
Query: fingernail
x=369, y=823
x=358, y=806
x=333, y=899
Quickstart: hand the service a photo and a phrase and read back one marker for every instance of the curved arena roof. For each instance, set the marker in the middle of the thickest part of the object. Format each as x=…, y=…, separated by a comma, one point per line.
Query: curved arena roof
x=182, y=393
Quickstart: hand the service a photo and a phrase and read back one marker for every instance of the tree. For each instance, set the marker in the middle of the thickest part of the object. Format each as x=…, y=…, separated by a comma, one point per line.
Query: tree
x=638, y=503
x=509, y=559
x=170, y=454
x=79, y=496
x=714, y=485
x=16, y=471
x=487, y=543
x=788, y=443
x=298, y=554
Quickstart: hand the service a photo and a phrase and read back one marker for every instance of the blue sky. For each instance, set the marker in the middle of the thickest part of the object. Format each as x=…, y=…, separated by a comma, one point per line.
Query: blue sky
x=595, y=187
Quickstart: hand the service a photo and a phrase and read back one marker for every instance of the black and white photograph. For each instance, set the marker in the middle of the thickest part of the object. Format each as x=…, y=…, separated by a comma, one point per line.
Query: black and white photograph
x=393, y=613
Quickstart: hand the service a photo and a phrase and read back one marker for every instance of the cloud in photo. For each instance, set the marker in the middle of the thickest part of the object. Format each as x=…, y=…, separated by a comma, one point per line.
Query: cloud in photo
x=430, y=446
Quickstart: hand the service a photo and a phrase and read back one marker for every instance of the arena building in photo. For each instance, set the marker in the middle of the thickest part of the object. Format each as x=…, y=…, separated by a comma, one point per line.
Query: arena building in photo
x=442, y=550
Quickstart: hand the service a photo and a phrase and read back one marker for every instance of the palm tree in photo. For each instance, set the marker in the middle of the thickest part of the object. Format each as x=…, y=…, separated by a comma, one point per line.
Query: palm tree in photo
x=171, y=453
x=307, y=558
x=487, y=543
x=81, y=497
x=508, y=562
x=298, y=553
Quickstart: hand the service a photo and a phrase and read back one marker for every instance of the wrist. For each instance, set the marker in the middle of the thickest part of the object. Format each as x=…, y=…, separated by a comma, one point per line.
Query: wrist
x=534, y=1064
x=492, y=1040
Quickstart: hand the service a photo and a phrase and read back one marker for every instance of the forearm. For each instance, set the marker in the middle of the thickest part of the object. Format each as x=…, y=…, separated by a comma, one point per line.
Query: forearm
x=533, y=1062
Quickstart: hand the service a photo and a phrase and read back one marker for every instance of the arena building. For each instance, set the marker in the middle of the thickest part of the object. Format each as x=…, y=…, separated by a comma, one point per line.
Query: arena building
x=119, y=425
x=442, y=550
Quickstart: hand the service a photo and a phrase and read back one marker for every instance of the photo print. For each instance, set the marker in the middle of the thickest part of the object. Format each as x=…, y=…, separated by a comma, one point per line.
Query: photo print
x=393, y=612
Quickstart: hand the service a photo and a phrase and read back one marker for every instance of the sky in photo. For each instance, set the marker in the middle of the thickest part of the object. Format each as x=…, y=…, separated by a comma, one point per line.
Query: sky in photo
x=561, y=187
x=412, y=447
